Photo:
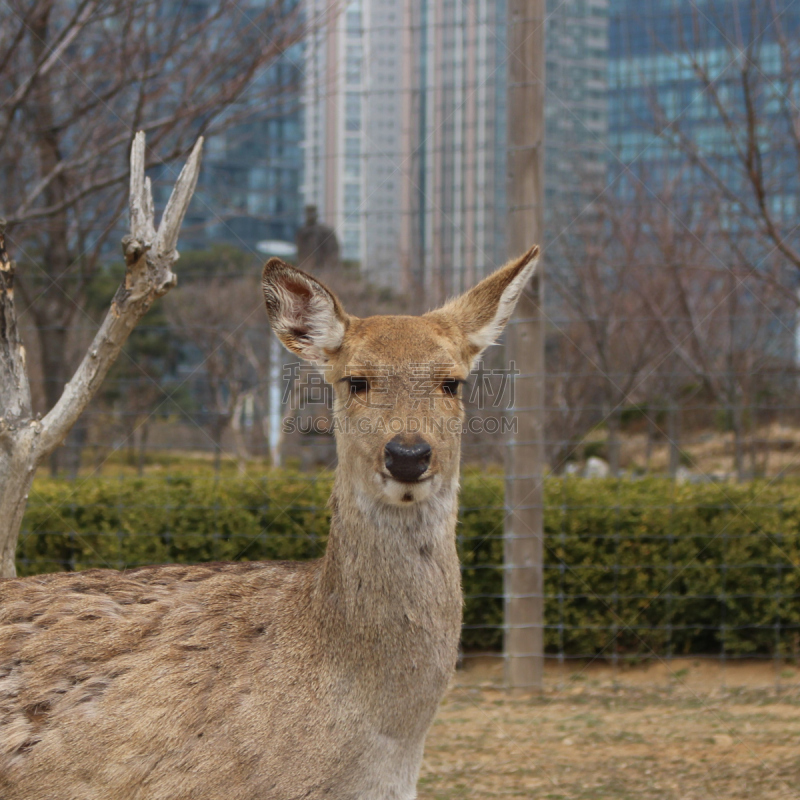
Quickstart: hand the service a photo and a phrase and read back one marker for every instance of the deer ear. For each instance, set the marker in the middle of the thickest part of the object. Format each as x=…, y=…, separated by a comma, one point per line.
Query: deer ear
x=483, y=311
x=304, y=314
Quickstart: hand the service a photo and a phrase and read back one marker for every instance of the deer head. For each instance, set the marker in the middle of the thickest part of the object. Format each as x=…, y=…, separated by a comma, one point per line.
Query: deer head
x=396, y=379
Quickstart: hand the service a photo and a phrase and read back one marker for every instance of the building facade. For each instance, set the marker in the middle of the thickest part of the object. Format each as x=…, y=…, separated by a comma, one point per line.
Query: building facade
x=249, y=187
x=576, y=114
x=405, y=139
x=405, y=132
x=675, y=64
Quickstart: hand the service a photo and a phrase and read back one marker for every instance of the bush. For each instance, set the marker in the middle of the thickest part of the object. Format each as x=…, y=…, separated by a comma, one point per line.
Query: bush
x=631, y=567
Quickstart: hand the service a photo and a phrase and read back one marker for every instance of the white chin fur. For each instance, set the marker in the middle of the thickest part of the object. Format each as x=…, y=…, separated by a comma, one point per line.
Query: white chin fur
x=406, y=494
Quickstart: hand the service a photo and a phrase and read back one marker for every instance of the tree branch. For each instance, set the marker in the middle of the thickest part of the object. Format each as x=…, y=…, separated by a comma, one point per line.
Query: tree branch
x=149, y=257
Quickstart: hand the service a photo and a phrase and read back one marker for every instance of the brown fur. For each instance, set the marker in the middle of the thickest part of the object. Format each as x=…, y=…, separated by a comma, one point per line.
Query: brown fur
x=264, y=681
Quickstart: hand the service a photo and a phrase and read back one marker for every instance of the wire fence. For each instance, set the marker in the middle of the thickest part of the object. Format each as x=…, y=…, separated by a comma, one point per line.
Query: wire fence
x=672, y=411
x=673, y=535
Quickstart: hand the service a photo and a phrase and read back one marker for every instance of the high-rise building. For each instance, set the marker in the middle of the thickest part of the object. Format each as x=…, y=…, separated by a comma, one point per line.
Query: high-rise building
x=576, y=113
x=335, y=129
x=702, y=100
x=657, y=48
x=405, y=138
x=405, y=132
x=454, y=145
x=249, y=187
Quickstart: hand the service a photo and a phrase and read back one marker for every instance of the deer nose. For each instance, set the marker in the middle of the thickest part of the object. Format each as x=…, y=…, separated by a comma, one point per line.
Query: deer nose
x=407, y=462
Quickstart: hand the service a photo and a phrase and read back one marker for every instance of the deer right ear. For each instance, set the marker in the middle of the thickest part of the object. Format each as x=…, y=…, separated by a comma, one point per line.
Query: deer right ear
x=484, y=310
x=304, y=314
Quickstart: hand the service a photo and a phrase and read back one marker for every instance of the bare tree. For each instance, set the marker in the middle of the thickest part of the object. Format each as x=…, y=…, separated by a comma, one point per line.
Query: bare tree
x=26, y=440
x=716, y=316
x=81, y=77
x=573, y=408
x=743, y=63
x=600, y=277
x=216, y=318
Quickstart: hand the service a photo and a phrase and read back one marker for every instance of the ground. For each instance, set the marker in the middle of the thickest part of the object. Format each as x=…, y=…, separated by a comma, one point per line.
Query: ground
x=690, y=730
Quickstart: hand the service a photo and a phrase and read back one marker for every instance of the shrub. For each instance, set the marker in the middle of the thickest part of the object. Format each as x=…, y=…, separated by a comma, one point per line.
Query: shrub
x=631, y=567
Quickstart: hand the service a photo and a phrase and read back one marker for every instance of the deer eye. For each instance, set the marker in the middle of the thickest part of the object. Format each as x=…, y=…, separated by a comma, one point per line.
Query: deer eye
x=450, y=386
x=357, y=385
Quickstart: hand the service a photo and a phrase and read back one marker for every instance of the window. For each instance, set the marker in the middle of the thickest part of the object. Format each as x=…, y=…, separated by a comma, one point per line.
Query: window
x=352, y=111
x=352, y=244
x=352, y=200
x=352, y=157
x=353, y=21
x=259, y=178
x=352, y=64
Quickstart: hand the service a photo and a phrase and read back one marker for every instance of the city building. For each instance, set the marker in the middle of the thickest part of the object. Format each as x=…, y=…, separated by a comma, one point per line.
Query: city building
x=677, y=72
x=405, y=132
x=576, y=114
x=248, y=193
x=655, y=50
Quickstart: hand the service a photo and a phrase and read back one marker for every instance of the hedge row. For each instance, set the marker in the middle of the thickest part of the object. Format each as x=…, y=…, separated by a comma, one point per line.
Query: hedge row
x=632, y=568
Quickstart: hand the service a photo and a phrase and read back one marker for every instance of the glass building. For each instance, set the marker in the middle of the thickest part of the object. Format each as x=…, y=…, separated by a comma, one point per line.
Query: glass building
x=249, y=187
x=576, y=113
x=675, y=66
x=695, y=90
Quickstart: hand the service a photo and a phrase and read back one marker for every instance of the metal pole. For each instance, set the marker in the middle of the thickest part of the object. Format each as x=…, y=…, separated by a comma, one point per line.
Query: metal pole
x=524, y=524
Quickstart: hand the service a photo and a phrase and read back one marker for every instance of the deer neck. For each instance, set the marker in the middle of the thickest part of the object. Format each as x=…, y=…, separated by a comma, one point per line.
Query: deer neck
x=389, y=566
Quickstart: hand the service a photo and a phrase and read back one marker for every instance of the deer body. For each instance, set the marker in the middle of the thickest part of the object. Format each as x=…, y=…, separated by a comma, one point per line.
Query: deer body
x=264, y=681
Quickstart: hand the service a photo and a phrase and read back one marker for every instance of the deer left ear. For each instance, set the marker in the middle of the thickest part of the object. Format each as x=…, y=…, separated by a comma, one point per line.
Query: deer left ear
x=305, y=315
x=483, y=311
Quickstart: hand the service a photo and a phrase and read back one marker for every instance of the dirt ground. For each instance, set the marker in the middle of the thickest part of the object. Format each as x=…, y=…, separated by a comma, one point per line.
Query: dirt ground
x=690, y=730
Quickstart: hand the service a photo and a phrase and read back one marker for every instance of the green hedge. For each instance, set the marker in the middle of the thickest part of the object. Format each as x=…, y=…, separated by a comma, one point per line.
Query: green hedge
x=632, y=567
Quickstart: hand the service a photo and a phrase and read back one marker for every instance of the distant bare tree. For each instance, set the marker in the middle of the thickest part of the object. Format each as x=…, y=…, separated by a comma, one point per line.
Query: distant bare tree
x=574, y=406
x=600, y=274
x=216, y=317
x=80, y=77
x=716, y=316
x=743, y=60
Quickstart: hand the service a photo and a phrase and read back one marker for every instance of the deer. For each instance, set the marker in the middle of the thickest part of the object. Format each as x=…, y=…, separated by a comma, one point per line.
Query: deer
x=273, y=680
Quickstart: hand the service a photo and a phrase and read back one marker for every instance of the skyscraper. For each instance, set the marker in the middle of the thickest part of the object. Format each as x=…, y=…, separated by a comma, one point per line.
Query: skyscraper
x=249, y=188
x=404, y=138
x=576, y=111
x=405, y=132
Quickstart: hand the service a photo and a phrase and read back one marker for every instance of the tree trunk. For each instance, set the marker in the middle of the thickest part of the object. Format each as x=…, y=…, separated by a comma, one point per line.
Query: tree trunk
x=674, y=433
x=17, y=468
x=613, y=426
x=17, y=430
x=144, y=432
x=217, y=429
x=651, y=437
x=753, y=442
x=72, y=452
x=738, y=444
x=56, y=258
x=242, y=456
x=765, y=447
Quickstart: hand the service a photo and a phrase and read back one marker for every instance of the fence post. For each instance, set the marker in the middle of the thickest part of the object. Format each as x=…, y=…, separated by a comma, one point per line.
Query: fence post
x=524, y=523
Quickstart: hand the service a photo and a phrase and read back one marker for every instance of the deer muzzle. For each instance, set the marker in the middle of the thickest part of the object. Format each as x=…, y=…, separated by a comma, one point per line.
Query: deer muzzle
x=405, y=461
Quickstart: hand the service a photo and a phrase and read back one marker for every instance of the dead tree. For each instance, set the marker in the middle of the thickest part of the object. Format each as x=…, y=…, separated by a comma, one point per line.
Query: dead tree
x=26, y=440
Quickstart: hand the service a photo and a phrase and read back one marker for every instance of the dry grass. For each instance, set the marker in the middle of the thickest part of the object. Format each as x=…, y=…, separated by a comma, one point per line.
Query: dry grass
x=777, y=451
x=676, y=733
